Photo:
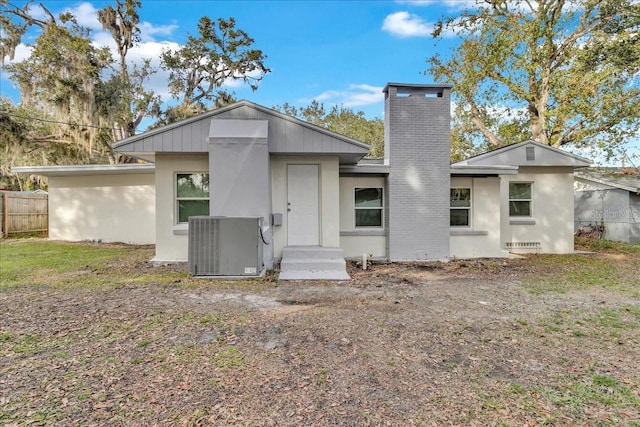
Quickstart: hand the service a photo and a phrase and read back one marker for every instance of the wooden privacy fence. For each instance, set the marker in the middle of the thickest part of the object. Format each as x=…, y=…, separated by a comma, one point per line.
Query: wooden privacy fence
x=24, y=213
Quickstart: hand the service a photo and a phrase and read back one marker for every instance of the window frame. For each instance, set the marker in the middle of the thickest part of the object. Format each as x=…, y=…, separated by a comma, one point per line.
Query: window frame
x=177, y=199
x=468, y=209
x=357, y=208
x=529, y=200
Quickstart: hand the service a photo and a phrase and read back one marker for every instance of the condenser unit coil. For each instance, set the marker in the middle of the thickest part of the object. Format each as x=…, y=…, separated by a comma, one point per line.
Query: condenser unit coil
x=225, y=246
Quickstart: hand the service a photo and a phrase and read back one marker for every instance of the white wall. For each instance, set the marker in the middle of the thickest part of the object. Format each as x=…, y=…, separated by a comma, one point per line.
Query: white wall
x=110, y=208
x=172, y=240
x=551, y=223
x=482, y=238
x=329, y=200
x=357, y=242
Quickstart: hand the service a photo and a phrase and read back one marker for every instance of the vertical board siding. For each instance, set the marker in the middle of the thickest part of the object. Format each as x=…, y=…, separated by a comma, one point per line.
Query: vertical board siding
x=286, y=135
x=24, y=213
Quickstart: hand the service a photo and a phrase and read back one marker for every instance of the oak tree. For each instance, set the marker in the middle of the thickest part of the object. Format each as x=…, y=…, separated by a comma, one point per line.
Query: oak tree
x=564, y=73
x=125, y=99
x=219, y=54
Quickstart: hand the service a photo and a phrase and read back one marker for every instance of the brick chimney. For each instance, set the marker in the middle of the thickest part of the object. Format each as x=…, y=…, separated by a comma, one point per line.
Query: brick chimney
x=417, y=148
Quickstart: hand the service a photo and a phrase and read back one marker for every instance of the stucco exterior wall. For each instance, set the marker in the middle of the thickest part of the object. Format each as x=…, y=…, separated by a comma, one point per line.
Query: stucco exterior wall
x=482, y=238
x=356, y=242
x=329, y=216
x=109, y=208
x=551, y=223
x=172, y=240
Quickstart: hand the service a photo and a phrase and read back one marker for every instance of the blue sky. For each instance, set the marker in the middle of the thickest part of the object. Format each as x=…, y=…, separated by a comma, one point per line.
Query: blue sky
x=338, y=52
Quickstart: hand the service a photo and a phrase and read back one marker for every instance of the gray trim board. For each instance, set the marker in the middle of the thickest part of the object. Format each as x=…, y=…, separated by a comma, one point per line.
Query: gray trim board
x=515, y=221
x=364, y=233
x=468, y=233
x=482, y=171
x=86, y=170
x=358, y=169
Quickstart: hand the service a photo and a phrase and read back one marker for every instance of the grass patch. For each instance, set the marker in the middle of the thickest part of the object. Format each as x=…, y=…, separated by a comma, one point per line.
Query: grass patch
x=593, y=399
x=43, y=262
x=600, y=389
x=599, y=245
x=228, y=358
x=612, y=325
x=613, y=269
x=85, y=265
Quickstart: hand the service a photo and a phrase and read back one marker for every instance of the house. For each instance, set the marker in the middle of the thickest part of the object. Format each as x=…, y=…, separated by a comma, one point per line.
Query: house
x=315, y=196
x=523, y=202
x=109, y=203
x=609, y=196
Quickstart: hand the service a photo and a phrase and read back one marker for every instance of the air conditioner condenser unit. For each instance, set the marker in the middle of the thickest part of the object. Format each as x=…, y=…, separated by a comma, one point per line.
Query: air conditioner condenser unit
x=225, y=246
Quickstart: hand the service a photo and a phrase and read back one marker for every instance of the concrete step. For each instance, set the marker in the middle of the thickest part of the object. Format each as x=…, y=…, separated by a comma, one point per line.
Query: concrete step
x=301, y=252
x=314, y=275
x=313, y=263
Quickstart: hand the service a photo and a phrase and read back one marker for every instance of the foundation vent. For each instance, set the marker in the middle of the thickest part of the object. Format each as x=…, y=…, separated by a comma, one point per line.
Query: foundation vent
x=523, y=245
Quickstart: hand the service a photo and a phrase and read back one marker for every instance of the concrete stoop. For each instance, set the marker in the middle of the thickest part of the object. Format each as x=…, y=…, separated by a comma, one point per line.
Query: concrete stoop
x=313, y=263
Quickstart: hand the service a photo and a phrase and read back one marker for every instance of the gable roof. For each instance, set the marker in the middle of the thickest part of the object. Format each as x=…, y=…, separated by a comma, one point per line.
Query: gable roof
x=527, y=153
x=614, y=177
x=287, y=135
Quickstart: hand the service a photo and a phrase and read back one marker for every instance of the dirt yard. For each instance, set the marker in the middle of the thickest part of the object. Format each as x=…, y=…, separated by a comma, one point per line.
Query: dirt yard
x=464, y=343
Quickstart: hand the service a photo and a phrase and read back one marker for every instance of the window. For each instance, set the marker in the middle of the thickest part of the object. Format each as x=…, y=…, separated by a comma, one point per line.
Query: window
x=520, y=199
x=192, y=195
x=459, y=214
x=368, y=207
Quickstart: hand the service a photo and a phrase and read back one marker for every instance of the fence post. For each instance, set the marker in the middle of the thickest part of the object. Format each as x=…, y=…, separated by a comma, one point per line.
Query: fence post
x=5, y=214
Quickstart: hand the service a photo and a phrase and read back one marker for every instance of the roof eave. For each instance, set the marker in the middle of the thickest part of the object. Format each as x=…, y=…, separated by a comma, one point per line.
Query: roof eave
x=609, y=182
x=582, y=162
x=86, y=170
x=471, y=170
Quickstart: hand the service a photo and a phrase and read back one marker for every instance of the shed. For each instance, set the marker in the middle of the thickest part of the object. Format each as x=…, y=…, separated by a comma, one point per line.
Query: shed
x=610, y=196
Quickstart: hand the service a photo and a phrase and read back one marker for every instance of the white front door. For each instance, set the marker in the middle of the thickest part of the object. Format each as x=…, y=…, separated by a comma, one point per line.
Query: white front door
x=302, y=207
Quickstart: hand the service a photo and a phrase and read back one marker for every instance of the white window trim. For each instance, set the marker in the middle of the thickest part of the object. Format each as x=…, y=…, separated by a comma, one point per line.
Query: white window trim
x=523, y=218
x=381, y=208
x=176, y=210
x=459, y=227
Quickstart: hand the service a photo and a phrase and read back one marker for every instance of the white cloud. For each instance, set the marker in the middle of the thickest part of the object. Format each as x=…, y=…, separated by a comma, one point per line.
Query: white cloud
x=149, y=31
x=37, y=12
x=152, y=50
x=404, y=24
x=238, y=82
x=357, y=95
x=104, y=39
x=22, y=52
x=86, y=15
x=449, y=4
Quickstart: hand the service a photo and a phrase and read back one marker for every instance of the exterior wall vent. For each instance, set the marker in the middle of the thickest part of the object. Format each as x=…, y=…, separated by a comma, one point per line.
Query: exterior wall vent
x=523, y=245
x=531, y=153
x=225, y=246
